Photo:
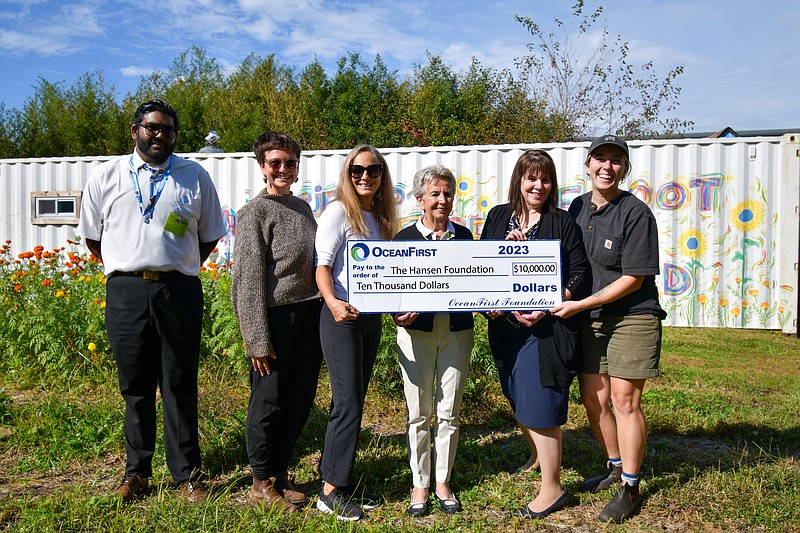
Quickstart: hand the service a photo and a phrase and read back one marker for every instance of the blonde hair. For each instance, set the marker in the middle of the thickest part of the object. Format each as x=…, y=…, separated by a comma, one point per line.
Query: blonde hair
x=384, y=207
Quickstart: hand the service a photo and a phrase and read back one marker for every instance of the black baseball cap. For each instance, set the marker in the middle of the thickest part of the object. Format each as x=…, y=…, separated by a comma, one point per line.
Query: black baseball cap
x=609, y=139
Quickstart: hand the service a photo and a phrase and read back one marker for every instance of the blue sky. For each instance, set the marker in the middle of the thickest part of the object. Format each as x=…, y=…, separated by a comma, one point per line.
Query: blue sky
x=742, y=68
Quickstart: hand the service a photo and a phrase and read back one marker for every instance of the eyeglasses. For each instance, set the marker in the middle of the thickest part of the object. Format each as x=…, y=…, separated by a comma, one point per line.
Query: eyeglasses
x=275, y=164
x=152, y=130
x=373, y=171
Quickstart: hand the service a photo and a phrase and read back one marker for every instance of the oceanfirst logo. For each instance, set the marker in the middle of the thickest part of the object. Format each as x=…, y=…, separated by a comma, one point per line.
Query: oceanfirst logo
x=360, y=252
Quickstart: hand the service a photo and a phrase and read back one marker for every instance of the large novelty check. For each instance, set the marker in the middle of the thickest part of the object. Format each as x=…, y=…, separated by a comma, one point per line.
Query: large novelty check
x=455, y=275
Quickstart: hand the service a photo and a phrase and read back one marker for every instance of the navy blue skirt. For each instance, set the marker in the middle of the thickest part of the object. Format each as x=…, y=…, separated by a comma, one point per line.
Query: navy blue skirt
x=516, y=354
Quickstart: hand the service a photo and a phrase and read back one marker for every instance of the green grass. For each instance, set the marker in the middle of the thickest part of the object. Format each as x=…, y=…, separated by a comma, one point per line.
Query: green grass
x=724, y=422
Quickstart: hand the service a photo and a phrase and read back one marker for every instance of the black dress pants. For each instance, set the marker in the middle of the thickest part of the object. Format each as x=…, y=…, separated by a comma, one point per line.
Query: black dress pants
x=350, y=349
x=154, y=331
x=281, y=401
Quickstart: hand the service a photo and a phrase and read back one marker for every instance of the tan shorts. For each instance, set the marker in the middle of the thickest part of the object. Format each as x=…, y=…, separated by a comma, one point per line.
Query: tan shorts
x=623, y=347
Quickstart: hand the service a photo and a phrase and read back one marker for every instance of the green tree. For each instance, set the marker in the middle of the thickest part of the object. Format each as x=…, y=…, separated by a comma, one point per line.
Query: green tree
x=363, y=105
x=314, y=91
x=187, y=85
x=96, y=124
x=8, y=143
x=592, y=88
x=42, y=122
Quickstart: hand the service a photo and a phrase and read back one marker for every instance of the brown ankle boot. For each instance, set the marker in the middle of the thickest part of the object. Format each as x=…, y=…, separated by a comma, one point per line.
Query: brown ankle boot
x=263, y=494
x=285, y=488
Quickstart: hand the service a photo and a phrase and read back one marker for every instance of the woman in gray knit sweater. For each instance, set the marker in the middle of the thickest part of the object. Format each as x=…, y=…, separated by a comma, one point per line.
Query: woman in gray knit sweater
x=277, y=304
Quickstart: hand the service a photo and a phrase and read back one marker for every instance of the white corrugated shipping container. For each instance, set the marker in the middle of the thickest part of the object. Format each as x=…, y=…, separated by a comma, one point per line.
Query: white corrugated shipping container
x=727, y=210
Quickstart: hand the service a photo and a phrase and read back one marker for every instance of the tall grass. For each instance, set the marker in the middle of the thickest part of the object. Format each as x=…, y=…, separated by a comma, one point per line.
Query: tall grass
x=724, y=421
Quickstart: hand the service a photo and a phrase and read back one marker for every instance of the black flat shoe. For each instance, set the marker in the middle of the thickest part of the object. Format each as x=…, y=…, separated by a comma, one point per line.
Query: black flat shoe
x=559, y=504
x=418, y=509
x=449, y=505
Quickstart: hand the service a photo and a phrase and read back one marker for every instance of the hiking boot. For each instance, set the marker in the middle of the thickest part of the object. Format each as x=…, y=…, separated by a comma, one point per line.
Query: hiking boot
x=338, y=503
x=622, y=506
x=285, y=488
x=264, y=494
x=603, y=481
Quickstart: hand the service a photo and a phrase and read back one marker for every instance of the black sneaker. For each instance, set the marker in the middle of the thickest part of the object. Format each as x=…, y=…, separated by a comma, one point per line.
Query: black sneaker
x=338, y=503
x=622, y=506
x=603, y=481
x=365, y=500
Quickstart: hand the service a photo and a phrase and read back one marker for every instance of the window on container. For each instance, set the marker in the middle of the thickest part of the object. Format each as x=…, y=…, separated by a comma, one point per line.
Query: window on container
x=55, y=208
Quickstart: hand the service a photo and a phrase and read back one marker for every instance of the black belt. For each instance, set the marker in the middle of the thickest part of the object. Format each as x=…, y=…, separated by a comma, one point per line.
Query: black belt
x=153, y=275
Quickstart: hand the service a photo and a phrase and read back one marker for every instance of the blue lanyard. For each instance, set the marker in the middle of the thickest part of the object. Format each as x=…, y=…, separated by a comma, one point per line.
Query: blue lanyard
x=156, y=188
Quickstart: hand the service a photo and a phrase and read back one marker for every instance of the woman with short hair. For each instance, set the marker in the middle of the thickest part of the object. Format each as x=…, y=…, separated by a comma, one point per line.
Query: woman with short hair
x=277, y=304
x=434, y=351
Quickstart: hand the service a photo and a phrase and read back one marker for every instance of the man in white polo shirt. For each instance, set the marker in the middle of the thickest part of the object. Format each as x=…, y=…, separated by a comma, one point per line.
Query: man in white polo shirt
x=153, y=218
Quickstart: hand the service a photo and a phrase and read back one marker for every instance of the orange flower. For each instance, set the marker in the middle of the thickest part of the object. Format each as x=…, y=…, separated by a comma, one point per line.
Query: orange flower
x=47, y=282
x=736, y=311
x=702, y=299
x=764, y=306
x=715, y=279
x=745, y=304
x=97, y=301
x=723, y=302
x=752, y=292
x=75, y=272
x=18, y=287
x=781, y=308
x=765, y=283
x=8, y=241
x=215, y=250
x=68, y=264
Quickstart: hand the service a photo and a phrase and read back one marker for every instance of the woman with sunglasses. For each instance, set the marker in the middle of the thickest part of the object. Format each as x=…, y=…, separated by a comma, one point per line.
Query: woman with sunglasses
x=364, y=209
x=534, y=351
x=277, y=304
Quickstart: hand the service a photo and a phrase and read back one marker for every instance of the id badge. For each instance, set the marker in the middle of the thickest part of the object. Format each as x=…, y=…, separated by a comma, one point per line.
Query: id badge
x=176, y=224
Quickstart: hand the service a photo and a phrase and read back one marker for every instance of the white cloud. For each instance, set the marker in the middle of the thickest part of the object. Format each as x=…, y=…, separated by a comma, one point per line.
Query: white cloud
x=134, y=71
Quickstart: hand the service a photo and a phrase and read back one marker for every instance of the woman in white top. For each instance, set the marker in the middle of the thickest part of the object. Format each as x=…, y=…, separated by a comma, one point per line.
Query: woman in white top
x=364, y=209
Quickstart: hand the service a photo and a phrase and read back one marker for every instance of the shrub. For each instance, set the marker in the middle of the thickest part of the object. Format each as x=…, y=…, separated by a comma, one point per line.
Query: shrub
x=52, y=306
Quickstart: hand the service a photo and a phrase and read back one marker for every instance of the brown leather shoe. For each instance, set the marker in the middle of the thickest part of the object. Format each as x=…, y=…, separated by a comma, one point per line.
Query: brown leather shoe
x=193, y=491
x=133, y=485
x=285, y=488
x=263, y=494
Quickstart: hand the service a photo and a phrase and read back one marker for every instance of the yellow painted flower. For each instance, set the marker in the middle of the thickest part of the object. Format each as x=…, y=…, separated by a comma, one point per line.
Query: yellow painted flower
x=752, y=292
x=692, y=243
x=723, y=302
x=92, y=347
x=781, y=308
x=736, y=311
x=464, y=185
x=747, y=215
x=702, y=299
x=765, y=283
x=764, y=306
x=484, y=203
